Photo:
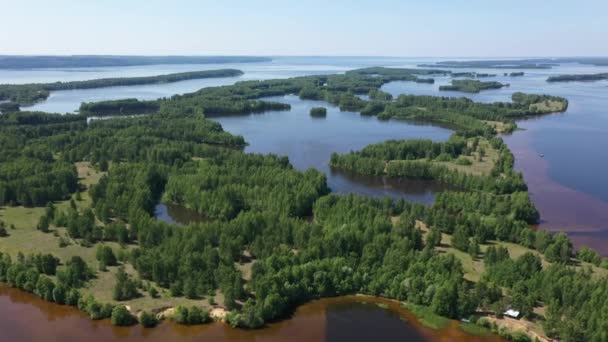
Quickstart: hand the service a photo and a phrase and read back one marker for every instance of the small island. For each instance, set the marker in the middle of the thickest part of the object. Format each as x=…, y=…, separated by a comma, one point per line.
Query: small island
x=472, y=86
x=318, y=112
x=578, y=78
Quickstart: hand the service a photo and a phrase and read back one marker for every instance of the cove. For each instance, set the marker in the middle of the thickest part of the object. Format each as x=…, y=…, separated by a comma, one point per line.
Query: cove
x=334, y=319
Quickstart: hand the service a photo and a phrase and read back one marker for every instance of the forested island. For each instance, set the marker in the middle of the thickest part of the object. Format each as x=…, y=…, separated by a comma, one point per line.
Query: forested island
x=79, y=229
x=89, y=61
x=495, y=64
x=528, y=63
x=27, y=94
x=578, y=78
x=472, y=86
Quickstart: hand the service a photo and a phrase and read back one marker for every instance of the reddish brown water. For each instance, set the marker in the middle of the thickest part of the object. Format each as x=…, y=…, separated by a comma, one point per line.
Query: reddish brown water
x=563, y=209
x=25, y=317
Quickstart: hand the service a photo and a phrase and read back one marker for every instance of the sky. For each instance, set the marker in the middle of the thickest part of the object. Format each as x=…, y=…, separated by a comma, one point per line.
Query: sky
x=422, y=28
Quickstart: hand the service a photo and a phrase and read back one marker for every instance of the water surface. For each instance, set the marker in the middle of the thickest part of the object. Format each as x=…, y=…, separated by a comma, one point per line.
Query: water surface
x=26, y=317
x=309, y=143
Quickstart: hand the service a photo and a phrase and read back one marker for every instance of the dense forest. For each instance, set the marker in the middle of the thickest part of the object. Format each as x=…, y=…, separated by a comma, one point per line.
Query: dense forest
x=298, y=240
x=472, y=86
x=27, y=94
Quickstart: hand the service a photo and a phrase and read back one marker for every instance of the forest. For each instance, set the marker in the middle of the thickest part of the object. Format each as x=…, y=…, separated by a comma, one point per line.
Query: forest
x=27, y=94
x=297, y=240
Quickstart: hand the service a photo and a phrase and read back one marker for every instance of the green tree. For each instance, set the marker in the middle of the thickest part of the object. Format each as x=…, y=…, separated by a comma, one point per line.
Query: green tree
x=122, y=317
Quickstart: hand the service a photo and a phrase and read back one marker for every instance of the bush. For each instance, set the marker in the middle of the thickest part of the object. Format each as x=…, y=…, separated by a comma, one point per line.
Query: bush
x=463, y=161
x=191, y=316
x=122, y=317
x=148, y=320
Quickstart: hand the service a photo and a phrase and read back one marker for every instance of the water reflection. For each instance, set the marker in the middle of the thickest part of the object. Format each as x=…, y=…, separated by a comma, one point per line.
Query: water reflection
x=176, y=214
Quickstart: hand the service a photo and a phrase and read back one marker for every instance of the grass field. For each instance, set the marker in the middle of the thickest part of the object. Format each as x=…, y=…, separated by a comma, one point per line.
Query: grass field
x=474, y=329
x=427, y=317
x=27, y=239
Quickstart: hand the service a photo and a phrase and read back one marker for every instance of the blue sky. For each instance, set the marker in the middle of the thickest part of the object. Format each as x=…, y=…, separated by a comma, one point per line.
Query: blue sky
x=486, y=28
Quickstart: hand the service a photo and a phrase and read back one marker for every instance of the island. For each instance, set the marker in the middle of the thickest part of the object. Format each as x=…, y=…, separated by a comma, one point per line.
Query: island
x=496, y=64
x=318, y=112
x=92, y=61
x=578, y=78
x=527, y=63
x=78, y=227
x=28, y=94
x=472, y=86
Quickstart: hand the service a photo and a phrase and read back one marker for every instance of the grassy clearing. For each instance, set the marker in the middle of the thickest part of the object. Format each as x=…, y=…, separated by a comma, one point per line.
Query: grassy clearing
x=474, y=267
x=499, y=126
x=427, y=317
x=548, y=106
x=479, y=165
x=25, y=238
x=245, y=269
x=102, y=288
x=474, y=329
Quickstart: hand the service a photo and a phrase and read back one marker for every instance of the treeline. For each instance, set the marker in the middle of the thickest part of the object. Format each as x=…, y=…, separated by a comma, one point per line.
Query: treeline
x=578, y=78
x=27, y=94
x=33, y=274
x=472, y=86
